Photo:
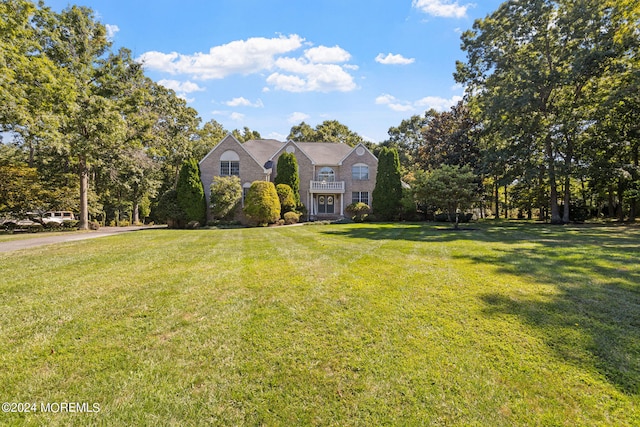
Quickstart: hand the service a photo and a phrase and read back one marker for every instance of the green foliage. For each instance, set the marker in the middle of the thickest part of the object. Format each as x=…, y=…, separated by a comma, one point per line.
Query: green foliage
x=261, y=204
x=357, y=211
x=190, y=191
x=387, y=194
x=327, y=131
x=226, y=193
x=287, y=173
x=450, y=188
x=287, y=199
x=169, y=211
x=291, y=218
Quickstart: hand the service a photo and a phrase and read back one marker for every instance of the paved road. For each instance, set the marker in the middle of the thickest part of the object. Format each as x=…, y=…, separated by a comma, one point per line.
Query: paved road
x=15, y=245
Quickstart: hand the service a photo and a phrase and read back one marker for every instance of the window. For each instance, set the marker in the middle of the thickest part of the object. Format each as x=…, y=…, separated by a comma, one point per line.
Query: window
x=360, y=172
x=326, y=174
x=229, y=163
x=360, y=196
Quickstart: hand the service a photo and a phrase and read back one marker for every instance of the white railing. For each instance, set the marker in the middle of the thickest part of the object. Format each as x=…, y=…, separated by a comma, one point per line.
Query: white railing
x=335, y=186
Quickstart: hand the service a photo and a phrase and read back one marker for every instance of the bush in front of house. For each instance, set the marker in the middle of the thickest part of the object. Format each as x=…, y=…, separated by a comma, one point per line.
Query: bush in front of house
x=357, y=211
x=191, y=198
x=291, y=218
x=262, y=205
x=169, y=211
x=226, y=194
x=287, y=199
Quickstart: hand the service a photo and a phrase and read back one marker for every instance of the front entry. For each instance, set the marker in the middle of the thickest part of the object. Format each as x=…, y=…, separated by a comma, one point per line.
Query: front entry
x=326, y=204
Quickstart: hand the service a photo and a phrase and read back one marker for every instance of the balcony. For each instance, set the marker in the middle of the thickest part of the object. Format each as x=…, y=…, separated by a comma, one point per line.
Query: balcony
x=327, y=187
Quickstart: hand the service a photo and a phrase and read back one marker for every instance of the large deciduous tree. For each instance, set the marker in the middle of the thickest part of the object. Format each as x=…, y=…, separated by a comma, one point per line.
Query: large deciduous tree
x=534, y=64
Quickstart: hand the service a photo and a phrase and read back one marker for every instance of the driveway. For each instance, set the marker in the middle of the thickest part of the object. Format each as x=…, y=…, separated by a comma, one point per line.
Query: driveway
x=15, y=245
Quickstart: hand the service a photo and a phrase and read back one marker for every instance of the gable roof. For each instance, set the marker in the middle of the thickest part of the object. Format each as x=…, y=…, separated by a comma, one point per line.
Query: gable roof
x=325, y=153
x=262, y=149
x=320, y=153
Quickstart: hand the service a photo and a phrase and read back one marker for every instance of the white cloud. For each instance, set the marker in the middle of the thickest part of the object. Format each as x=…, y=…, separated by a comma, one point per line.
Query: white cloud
x=181, y=87
x=327, y=55
x=391, y=59
x=438, y=103
x=317, y=69
x=303, y=76
x=441, y=8
x=426, y=103
x=237, y=57
x=394, y=103
x=297, y=117
x=243, y=102
x=238, y=117
x=111, y=30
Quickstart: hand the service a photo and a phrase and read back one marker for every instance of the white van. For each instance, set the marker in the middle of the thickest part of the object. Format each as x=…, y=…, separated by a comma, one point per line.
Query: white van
x=58, y=216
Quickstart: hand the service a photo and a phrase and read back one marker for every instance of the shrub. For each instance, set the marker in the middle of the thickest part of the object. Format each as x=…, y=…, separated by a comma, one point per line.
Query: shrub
x=169, y=211
x=226, y=193
x=94, y=225
x=287, y=200
x=262, y=205
x=190, y=197
x=291, y=218
x=387, y=194
x=287, y=173
x=357, y=211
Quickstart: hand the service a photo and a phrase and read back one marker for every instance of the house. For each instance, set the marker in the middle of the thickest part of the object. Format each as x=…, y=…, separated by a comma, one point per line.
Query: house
x=332, y=175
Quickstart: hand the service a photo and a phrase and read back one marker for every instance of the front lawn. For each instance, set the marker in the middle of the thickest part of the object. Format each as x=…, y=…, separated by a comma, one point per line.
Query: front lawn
x=359, y=324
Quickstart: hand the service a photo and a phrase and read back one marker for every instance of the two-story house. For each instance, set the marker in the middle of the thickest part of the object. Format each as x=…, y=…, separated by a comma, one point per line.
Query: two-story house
x=332, y=175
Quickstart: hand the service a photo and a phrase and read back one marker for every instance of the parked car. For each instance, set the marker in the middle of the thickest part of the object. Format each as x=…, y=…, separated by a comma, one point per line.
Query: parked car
x=58, y=217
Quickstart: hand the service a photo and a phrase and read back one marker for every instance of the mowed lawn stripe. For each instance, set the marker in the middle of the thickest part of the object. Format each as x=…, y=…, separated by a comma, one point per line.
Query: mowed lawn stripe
x=360, y=324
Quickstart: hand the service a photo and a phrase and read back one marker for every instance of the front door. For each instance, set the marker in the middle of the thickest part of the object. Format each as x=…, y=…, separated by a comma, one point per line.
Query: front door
x=325, y=204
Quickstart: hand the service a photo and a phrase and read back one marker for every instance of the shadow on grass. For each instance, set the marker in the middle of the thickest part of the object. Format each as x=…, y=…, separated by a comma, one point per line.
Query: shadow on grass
x=593, y=321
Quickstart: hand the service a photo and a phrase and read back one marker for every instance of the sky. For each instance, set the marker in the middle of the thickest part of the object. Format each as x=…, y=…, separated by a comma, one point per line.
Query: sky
x=271, y=64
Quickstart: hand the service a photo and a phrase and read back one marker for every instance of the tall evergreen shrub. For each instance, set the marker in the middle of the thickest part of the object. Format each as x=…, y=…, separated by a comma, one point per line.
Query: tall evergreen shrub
x=262, y=204
x=287, y=173
x=190, y=190
x=387, y=194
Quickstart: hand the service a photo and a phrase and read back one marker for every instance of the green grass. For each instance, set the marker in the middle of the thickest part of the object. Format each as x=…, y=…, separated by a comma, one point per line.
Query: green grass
x=339, y=325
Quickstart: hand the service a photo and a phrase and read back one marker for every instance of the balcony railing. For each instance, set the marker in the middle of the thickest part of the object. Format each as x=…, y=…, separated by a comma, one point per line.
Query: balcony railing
x=327, y=186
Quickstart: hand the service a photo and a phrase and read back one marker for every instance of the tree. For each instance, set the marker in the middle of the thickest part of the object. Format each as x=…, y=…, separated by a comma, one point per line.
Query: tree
x=287, y=200
x=287, y=173
x=191, y=198
x=169, y=211
x=532, y=66
x=450, y=188
x=246, y=135
x=448, y=138
x=407, y=138
x=226, y=193
x=262, y=205
x=327, y=131
x=387, y=194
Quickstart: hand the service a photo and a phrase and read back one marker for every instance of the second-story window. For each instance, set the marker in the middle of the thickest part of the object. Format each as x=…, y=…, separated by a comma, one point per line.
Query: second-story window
x=360, y=172
x=229, y=163
x=326, y=174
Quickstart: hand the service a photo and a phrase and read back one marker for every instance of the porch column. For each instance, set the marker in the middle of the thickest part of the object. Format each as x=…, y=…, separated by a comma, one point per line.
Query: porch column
x=342, y=204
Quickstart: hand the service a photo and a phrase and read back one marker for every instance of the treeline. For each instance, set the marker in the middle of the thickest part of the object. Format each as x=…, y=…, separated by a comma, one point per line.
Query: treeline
x=550, y=124
x=80, y=115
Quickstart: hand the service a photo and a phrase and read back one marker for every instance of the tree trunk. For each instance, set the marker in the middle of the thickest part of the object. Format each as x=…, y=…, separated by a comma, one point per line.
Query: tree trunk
x=506, y=203
x=497, y=198
x=555, y=211
x=621, y=188
x=83, y=171
x=136, y=213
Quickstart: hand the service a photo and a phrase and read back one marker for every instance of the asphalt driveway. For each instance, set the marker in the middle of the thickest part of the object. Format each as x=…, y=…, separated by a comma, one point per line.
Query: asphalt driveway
x=15, y=245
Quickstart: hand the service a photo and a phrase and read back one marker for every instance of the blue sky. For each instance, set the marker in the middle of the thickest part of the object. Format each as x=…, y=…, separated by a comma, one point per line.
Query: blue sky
x=270, y=64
